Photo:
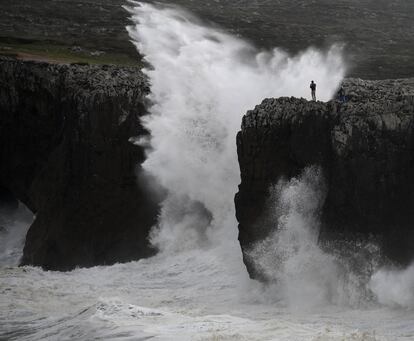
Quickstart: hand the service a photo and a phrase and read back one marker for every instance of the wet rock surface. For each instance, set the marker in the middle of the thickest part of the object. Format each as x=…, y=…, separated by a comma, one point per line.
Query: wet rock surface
x=65, y=153
x=365, y=147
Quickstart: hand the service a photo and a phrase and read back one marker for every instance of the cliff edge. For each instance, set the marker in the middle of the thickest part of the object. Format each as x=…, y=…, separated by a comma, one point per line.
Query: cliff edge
x=65, y=153
x=365, y=148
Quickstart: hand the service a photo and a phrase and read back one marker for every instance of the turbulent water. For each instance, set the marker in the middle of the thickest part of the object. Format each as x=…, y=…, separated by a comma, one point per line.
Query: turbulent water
x=197, y=288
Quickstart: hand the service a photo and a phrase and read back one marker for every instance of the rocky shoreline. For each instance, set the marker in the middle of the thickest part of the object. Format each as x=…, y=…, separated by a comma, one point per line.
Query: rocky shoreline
x=65, y=153
x=365, y=148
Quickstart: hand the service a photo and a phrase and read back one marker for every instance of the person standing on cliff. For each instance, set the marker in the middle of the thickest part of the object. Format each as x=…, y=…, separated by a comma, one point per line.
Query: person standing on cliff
x=341, y=94
x=313, y=90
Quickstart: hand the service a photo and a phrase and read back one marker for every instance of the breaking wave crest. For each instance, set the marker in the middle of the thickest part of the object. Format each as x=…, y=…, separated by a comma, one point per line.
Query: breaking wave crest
x=307, y=275
x=202, y=81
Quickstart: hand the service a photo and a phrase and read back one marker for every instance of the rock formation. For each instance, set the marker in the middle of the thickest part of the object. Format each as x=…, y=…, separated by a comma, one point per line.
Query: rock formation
x=65, y=153
x=365, y=148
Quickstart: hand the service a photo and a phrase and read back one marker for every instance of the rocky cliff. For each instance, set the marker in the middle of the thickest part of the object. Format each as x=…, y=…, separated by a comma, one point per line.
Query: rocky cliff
x=65, y=153
x=365, y=148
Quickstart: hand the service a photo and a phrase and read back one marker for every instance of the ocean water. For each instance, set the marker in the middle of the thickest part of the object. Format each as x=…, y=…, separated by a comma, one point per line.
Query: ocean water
x=192, y=296
x=203, y=80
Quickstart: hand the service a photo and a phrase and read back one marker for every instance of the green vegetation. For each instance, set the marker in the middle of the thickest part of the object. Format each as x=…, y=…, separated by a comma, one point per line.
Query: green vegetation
x=54, y=52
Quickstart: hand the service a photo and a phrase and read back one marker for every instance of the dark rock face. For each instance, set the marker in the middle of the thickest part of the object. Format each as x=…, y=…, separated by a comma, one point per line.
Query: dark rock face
x=7, y=200
x=64, y=152
x=365, y=148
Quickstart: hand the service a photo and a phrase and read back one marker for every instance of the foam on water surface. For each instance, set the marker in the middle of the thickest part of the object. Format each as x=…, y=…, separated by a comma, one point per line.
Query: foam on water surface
x=190, y=297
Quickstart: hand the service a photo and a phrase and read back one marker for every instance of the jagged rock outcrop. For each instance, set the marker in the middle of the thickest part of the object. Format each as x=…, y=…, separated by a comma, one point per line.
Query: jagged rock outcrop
x=365, y=148
x=64, y=152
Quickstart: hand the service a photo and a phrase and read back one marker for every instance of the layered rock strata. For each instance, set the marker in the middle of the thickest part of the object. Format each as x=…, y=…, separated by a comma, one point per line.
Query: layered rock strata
x=65, y=153
x=365, y=148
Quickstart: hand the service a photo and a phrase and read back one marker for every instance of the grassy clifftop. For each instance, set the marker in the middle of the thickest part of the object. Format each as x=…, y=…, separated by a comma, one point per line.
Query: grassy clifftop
x=379, y=35
x=67, y=31
x=57, y=52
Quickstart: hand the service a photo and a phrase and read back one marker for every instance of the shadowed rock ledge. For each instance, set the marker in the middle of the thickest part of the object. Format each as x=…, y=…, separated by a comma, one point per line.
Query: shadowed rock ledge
x=365, y=148
x=64, y=152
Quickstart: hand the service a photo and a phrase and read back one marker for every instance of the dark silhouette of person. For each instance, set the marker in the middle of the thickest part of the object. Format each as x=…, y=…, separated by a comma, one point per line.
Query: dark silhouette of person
x=341, y=94
x=313, y=90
